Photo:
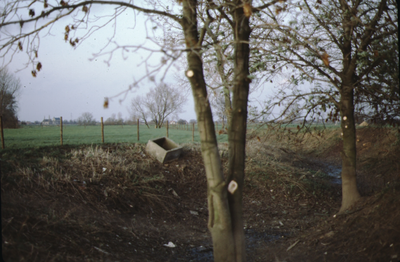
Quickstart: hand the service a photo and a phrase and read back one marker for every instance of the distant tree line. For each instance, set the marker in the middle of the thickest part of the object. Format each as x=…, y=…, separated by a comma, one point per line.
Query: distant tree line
x=9, y=88
x=113, y=120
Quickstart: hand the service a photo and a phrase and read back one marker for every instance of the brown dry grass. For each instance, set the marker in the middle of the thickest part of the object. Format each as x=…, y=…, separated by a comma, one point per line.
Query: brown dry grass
x=124, y=170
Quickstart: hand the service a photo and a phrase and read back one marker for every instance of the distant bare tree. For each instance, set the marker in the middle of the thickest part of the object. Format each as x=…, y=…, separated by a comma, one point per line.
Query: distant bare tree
x=112, y=120
x=138, y=106
x=218, y=103
x=159, y=103
x=86, y=119
x=9, y=88
x=120, y=120
x=133, y=117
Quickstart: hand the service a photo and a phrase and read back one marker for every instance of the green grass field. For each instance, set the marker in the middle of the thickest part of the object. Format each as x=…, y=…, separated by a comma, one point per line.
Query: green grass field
x=36, y=136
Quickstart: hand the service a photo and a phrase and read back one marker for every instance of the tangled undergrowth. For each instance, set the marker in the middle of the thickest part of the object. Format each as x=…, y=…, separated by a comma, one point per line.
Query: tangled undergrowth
x=123, y=172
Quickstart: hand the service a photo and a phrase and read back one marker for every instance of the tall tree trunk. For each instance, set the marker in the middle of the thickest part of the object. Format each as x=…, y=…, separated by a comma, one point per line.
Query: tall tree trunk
x=350, y=194
x=219, y=222
x=238, y=126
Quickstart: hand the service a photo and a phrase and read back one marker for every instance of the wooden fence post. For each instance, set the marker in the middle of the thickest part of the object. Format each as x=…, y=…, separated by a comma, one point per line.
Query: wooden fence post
x=2, y=134
x=167, y=128
x=193, y=132
x=61, y=130
x=138, y=129
x=102, y=131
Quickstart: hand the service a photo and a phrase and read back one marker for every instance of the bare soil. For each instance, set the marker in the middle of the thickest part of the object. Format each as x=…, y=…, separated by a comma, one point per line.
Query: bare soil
x=115, y=203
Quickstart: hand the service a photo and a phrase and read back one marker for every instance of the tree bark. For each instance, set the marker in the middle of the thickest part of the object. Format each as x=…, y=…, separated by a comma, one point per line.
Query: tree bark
x=350, y=194
x=238, y=125
x=219, y=222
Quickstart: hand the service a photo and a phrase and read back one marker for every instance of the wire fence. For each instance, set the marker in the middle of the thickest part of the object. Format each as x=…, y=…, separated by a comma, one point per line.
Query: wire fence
x=67, y=134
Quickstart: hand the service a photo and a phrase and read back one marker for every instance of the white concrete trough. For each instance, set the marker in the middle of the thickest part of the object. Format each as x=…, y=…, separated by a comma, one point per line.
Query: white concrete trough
x=163, y=149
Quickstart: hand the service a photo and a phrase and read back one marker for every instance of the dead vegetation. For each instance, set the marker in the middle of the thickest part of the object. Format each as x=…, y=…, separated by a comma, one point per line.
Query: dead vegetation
x=123, y=172
x=115, y=203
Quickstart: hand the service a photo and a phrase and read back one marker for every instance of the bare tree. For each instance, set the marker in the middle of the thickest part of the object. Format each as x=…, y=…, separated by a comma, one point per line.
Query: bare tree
x=138, y=106
x=86, y=119
x=332, y=44
x=120, y=120
x=159, y=103
x=9, y=88
x=112, y=120
x=133, y=117
x=194, y=21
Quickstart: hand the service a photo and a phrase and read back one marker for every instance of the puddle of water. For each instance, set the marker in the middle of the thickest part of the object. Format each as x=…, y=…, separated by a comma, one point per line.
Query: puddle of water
x=253, y=239
x=201, y=254
x=335, y=173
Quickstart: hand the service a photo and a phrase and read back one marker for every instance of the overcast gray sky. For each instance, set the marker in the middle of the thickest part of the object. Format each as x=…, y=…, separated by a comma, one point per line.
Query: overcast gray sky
x=69, y=84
